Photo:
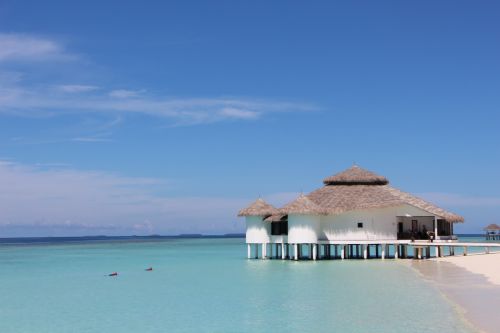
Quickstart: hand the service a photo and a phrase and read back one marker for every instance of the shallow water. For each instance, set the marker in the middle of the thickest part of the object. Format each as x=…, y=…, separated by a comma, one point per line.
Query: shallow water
x=207, y=285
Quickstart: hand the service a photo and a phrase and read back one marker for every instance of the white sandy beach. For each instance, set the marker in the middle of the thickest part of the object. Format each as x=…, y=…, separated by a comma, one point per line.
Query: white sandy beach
x=472, y=282
x=487, y=265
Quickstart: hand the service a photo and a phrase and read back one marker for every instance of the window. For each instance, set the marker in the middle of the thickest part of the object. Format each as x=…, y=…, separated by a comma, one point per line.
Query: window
x=360, y=224
x=279, y=228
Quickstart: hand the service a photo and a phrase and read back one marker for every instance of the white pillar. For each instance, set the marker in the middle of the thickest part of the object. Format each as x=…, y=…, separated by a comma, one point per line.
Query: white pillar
x=264, y=250
x=283, y=256
x=383, y=246
x=314, y=251
x=435, y=227
x=365, y=251
x=249, y=251
x=342, y=251
x=296, y=251
x=395, y=251
x=419, y=252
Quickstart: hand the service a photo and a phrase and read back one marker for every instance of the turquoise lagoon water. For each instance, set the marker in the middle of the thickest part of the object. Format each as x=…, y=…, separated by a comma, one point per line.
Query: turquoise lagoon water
x=207, y=285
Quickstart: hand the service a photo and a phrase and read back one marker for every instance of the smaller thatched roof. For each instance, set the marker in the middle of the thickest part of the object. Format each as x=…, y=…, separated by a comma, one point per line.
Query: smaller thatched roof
x=356, y=176
x=492, y=226
x=276, y=218
x=302, y=206
x=258, y=208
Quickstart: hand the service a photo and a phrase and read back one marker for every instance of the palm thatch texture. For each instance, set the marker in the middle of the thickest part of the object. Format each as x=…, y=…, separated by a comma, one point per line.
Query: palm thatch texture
x=351, y=189
x=356, y=176
x=276, y=218
x=492, y=227
x=258, y=208
x=357, y=188
x=302, y=206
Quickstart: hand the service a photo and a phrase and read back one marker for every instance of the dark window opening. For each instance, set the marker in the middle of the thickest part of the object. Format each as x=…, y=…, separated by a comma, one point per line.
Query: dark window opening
x=279, y=228
x=360, y=224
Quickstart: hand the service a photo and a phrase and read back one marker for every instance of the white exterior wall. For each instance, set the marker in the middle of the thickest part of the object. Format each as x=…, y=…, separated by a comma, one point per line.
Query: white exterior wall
x=303, y=229
x=378, y=223
x=258, y=231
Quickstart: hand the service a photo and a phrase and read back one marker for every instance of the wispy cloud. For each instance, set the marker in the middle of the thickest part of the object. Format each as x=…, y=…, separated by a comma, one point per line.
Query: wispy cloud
x=123, y=93
x=22, y=47
x=183, y=111
x=40, y=99
x=87, y=202
x=76, y=88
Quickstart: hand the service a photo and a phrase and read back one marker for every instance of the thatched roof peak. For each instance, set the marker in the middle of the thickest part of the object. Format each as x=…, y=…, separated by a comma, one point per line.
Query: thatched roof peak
x=356, y=175
x=302, y=206
x=258, y=208
x=492, y=226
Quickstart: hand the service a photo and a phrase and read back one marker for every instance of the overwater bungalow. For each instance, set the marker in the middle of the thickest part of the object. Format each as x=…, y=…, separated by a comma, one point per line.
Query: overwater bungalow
x=492, y=232
x=356, y=210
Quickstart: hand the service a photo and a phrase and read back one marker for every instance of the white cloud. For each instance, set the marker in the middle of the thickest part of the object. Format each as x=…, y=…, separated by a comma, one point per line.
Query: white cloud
x=23, y=101
x=22, y=47
x=230, y=112
x=123, y=93
x=72, y=202
x=76, y=88
x=18, y=97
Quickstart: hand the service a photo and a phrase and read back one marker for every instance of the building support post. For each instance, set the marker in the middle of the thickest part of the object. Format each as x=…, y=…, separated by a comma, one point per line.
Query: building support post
x=283, y=256
x=365, y=251
x=314, y=251
x=296, y=251
x=342, y=252
x=396, y=251
x=383, y=248
x=249, y=251
x=435, y=227
x=264, y=250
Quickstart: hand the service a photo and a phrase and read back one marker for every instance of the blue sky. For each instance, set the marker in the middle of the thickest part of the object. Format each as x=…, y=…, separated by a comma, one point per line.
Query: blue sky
x=133, y=118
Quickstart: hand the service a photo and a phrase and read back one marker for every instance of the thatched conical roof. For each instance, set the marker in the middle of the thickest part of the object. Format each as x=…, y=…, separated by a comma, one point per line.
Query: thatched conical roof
x=276, y=218
x=258, y=208
x=302, y=206
x=357, y=188
x=355, y=176
x=352, y=189
x=492, y=226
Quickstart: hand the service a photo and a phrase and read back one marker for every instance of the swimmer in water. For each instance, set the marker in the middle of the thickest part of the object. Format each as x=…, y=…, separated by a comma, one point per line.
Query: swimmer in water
x=113, y=274
x=149, y=269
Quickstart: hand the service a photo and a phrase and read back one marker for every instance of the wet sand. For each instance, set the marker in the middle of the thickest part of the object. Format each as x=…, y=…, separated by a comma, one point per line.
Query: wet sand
x=477, y=298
